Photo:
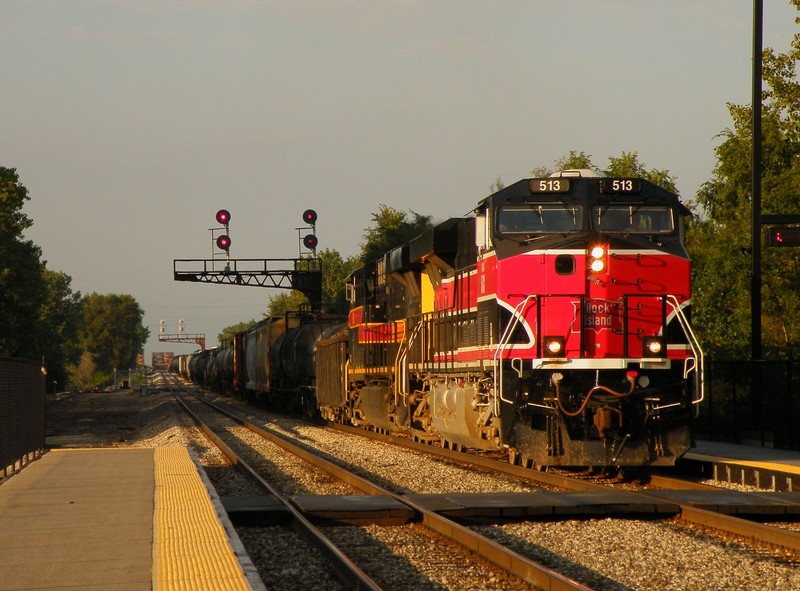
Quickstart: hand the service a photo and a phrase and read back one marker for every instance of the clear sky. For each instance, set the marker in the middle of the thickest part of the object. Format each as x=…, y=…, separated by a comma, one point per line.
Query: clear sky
x=132, y=121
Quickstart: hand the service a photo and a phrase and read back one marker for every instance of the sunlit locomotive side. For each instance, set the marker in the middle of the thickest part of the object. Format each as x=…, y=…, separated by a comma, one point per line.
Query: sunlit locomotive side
x=553, y=323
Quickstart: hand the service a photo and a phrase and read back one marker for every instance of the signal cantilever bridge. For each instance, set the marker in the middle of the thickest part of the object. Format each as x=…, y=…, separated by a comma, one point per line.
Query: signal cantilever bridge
x=302, y=274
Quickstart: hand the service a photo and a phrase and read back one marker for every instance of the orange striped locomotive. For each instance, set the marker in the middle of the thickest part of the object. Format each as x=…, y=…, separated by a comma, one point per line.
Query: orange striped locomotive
x=554, y=322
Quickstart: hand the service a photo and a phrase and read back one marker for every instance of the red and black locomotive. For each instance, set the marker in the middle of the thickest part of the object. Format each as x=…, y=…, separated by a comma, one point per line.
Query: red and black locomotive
x=554, y=323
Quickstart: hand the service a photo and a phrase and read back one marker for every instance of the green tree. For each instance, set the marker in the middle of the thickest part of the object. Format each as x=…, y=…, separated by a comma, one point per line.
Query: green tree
x=23, y=290
x=718, y=242
x=82, y=375
x=61, y=320
x=228, y=332
x=112, y=330
x=335, y=270
x=573, y=160
x=628, y=165
x=625, y=165
x=287, y=301
x=391, y=228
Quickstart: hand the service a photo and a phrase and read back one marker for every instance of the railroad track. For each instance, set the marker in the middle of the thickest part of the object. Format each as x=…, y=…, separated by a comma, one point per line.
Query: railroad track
x=585, y=532
x=518, y=569
x=692, y=512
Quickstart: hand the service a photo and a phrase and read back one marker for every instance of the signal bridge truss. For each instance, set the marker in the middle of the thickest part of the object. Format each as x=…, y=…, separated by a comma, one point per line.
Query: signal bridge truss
x=200, y=339
x=302, y=274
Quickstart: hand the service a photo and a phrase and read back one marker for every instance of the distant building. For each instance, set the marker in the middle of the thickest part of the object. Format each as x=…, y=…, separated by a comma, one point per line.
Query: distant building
x=162, y=360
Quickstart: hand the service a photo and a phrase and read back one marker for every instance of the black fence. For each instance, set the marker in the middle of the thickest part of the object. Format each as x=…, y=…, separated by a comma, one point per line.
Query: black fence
x=755, y=403
x=22, y=399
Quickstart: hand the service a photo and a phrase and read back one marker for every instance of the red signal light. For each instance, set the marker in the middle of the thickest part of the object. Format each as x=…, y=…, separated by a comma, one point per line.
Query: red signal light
x=224, y=242
x=784, y=236
x=310, y=216
x=310, y=242
x=223, y=217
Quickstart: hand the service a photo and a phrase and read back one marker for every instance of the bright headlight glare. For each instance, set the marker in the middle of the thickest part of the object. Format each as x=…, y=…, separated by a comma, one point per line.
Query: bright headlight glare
x=598, y=252
x=597, y=265
x=554, y=346
x=654, y=346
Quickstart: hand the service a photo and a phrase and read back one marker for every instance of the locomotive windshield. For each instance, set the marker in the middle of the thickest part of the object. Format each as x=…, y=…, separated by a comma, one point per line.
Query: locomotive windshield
x=539, y=218
x=633, y=219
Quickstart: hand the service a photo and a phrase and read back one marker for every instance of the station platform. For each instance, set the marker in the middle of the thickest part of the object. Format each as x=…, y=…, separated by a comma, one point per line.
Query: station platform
x=118, y=519
x=746, y=464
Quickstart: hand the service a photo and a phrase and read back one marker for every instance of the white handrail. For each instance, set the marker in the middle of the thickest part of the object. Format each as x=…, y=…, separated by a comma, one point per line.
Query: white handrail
x=502, y=344
x=700, y=388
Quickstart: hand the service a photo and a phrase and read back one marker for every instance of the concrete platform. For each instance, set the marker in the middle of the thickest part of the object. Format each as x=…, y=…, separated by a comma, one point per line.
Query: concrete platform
x=787, y=461
x=764, y=467
x=118, y=519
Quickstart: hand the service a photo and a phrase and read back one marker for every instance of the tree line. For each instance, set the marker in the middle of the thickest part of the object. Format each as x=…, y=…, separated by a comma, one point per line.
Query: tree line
x=79, y=339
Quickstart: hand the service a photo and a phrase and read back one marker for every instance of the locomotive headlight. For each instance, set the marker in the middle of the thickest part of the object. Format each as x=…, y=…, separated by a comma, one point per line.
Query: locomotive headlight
x=598, y=252
x=553, y=346
x=653, y=347
x=598, y=262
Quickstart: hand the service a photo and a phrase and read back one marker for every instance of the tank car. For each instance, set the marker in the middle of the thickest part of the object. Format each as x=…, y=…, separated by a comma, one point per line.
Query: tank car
x=273, y=362
x=553, y=322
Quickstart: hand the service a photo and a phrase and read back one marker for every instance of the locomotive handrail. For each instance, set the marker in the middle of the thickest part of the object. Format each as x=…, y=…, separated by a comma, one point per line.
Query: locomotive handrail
x=497, y=358
x=401, y=368
x=695, y=345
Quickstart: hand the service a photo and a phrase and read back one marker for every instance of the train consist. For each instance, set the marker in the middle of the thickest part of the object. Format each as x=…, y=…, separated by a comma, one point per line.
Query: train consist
x=553, y=322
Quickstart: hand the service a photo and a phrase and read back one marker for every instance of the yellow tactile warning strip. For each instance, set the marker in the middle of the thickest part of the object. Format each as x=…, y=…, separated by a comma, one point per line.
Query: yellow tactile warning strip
x=190, y=548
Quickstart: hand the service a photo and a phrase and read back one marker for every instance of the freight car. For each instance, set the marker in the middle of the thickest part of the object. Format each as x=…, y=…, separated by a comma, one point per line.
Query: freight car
x=554, y=323
x=272, y=362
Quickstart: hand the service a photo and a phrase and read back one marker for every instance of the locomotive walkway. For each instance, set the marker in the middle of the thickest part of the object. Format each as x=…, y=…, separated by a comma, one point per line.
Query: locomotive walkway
x=118, y=519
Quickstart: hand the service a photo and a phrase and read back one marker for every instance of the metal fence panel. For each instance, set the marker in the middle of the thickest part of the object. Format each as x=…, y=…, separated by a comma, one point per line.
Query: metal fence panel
x=22, y=400
x=751, y=402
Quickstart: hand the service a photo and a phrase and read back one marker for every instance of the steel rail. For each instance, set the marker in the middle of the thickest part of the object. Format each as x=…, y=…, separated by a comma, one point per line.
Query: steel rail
x=346, y=570
x=729, y=524
x=755, y=531
x=526, y=569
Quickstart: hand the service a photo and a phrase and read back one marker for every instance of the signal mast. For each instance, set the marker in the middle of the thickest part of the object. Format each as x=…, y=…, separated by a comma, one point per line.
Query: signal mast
x=303, y=273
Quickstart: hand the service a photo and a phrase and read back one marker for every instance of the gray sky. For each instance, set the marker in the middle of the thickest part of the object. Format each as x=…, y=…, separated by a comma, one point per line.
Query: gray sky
x=132, y=121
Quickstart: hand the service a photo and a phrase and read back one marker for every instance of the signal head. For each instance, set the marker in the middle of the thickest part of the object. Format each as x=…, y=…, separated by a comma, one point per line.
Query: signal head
x=310, y=242
x=224, y=242
x=223, y=217
x=310, y=217
x=784, y=236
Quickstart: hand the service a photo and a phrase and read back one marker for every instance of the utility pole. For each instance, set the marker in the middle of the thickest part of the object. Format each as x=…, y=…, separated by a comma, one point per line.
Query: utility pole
x=755, y=284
